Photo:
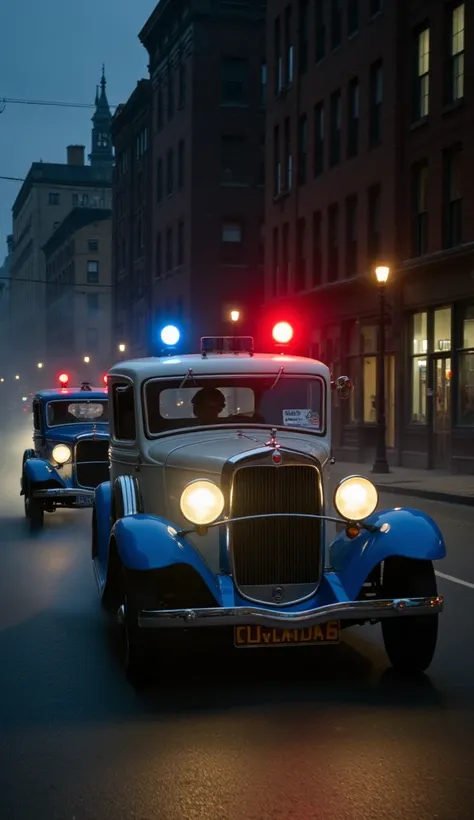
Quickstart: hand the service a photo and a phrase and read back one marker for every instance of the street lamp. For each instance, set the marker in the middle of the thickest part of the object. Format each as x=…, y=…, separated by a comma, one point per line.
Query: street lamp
x=2, y=380
x=87, y=359
x=17, y=378
x=122, y=348
x=382, y=272
x=234, y=315
x=40, y=365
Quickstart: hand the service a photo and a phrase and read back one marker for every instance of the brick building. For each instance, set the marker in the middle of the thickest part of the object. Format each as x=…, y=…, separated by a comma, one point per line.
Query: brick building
x=208, y=73
x=368, y=154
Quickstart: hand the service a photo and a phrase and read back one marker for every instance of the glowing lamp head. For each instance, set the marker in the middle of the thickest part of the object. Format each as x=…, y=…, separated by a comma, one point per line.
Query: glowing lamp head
x=282, y=333
x=64, y=379
x=234, y=315
x=170, y=335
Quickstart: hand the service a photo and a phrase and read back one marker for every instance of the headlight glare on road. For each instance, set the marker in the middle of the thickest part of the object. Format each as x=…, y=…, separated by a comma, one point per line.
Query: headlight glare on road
x=61, y=453
x=202, y=502
x=356, y=498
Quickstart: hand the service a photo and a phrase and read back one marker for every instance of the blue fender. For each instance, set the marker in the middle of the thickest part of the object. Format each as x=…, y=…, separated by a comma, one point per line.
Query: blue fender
x=145, y=543
x=37, y=471
x=103, y=506
x=408, y=533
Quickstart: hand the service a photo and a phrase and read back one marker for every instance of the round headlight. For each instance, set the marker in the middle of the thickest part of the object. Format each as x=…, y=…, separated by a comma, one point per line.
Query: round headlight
x=202, y=502
x=61, y=453
x=356, y=498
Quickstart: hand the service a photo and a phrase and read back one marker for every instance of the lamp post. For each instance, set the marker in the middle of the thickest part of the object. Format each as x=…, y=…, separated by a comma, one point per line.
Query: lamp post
x=382, y=272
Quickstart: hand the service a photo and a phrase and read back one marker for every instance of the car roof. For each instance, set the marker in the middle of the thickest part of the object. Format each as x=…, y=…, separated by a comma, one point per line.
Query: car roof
x=218, y=364
x=72, y=393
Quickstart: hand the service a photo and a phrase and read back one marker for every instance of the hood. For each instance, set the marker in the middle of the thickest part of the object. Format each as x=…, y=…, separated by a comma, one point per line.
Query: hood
x=207, y=450
x=66, y=433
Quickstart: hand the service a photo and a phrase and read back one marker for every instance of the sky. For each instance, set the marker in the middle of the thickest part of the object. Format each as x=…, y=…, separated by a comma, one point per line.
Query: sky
x=54, y=50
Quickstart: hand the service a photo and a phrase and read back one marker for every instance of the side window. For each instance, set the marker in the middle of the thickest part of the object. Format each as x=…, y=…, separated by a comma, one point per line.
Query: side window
x=123, y=396
x=37, y=415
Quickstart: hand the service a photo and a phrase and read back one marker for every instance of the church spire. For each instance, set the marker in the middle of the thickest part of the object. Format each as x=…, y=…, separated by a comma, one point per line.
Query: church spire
x=101, y=153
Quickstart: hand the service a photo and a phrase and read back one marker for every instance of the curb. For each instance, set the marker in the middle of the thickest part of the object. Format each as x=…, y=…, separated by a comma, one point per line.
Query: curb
x=447, y=498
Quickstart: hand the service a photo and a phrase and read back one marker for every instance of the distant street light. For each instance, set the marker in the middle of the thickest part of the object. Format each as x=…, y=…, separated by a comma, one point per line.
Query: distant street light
x=234, y=315
x=382, y=272
x=40, y=365
x=24, y=398
x=2, y=380
x=122, y=348
x=87, y=359
x=17, y=377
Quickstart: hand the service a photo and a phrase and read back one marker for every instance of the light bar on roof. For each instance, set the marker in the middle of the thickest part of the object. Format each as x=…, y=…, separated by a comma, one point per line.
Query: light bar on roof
x=217, y=345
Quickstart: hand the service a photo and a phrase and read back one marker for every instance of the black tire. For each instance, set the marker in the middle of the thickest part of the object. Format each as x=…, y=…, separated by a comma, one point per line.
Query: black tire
x=140, y=644
x=410, y=643
x=34, y=510
x=24, y=481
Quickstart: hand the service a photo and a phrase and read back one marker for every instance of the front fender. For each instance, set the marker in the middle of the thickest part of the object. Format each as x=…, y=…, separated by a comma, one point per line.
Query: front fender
x=144, y=542
x=39, y=471
x=408, y=533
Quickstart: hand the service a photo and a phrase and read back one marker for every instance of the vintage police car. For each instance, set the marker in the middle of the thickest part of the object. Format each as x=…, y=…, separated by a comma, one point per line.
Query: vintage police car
x=70, y=455
x=217, y=512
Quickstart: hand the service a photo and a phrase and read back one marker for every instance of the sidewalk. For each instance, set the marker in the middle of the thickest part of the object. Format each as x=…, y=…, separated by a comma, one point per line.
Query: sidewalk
x=433, y=484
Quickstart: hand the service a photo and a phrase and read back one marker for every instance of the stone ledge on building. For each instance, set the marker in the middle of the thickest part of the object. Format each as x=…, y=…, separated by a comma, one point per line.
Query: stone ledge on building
x=436, y=485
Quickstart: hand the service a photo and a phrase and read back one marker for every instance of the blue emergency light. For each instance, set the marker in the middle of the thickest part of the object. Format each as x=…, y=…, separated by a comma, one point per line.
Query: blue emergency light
x=170, y=336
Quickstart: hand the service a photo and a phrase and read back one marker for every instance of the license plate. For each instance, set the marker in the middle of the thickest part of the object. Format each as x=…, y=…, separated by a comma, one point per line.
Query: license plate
x=259, y=636
x=83, y=501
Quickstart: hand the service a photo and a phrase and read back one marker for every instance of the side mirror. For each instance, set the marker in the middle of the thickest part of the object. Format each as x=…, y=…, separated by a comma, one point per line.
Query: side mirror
x=344, y=386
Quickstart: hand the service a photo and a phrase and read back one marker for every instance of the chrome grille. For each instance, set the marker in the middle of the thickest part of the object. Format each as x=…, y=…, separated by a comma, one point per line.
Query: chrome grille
x=276, y=550
x=92, y=462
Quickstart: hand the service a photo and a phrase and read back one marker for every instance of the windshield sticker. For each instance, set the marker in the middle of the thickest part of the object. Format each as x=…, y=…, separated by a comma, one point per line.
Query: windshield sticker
x=301, y=418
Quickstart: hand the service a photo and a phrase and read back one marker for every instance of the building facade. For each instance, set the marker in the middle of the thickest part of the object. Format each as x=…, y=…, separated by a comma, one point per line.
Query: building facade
x=5, y=354
x=49, y=192
x=133, y=213
x=364, y=154
x=79, y=296
x=207, y=64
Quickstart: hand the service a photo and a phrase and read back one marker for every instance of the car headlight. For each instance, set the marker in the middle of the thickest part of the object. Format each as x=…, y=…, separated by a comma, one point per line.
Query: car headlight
x=61, y=453
x=356, y=498
x=202, y=502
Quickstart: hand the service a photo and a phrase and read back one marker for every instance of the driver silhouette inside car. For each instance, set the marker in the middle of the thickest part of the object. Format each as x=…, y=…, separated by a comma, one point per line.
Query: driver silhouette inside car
x=207, y=404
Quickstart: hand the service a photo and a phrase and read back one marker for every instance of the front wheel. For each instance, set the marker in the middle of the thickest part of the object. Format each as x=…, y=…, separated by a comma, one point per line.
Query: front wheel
x=34, y=510
x=410, y=642
x=140, y=647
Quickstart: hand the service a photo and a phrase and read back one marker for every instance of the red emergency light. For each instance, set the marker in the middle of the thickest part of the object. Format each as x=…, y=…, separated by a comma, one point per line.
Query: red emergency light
x=106, y=378
x=64, y=379
x=282, y=333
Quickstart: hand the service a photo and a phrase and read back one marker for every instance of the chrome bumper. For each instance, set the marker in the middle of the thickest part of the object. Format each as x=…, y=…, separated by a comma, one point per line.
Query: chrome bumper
x=233, y=616
x=62, y=492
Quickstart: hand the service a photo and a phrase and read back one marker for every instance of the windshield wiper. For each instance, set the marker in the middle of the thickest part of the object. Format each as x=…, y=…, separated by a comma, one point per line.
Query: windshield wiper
x=189, y=375
x=279, y=375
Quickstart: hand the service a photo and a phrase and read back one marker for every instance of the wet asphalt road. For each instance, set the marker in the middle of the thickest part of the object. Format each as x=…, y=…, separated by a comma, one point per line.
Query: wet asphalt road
x=283, y=739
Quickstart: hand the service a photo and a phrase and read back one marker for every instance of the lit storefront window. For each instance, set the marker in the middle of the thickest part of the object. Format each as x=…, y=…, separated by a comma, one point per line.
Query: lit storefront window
x=442, y=330
x=466, y=369
x=369, y=350
x=353, y=371
x=419, y=352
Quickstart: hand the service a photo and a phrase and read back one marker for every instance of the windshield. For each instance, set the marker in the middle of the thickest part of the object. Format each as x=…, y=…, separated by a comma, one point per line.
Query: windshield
x=76, y=412
x=276, y=401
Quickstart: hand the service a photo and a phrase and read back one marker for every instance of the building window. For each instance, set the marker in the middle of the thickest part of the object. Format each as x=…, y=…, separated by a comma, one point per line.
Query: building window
x=302, y=148
x=466, y=369
x=93, y=245
x=232, y=232
x=278, y=57
x=300, y=255
x=53, y=199
x=452, y=198
x=285, y=259
x=234, y=160
x=369, y=344
x=169, y=250
x=289, y=49
x=92, y=339
x=170, y=172
x=159, y=180
x=92, y=272
x=333, y=243
x=317, y=249
x=92, y=303
x=352, y=17
x=182, y=84
x=351, y=236
x=353, y=118
x=275, y=261
x=276, y=162
x=336, y=23
x=420, y=209
x=375, y=7
x=318, y=139
x=320, y=30
x=373, y=222
x=233, y=81
x=303, y=41
x=170, y=93
x=263, y=84
x=180, y=249
x=422, y=79
x=418, y=357
x=181, y=164
x=159, y=108
x=456, y=51
x=375, y=112
x=159, y=255
x=288, y=156
x=335, y=129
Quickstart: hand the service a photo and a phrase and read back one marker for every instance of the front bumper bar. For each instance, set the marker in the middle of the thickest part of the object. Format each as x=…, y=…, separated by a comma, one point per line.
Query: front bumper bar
x=373, y=610
x=62, y=492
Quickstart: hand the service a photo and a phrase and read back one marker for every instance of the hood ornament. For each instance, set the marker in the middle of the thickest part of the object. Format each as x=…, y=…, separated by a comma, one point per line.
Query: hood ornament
x=272, y=442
